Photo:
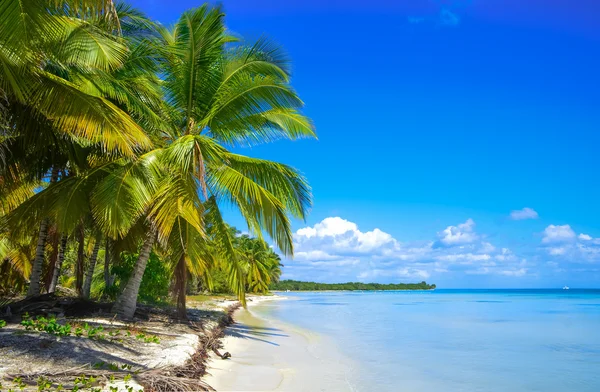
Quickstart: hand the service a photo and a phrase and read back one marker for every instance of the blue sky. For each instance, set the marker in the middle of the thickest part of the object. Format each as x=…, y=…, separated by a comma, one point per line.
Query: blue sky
x=436, y=120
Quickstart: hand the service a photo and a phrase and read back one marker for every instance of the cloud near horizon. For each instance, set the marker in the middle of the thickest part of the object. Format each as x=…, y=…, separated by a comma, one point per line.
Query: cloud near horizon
x=564, y=245
x=335, y=249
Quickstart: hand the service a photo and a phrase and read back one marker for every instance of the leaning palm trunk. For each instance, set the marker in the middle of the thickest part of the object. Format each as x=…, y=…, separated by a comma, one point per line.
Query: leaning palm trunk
x=58, y=264
x=180, y=287
x=87, y=285
x=38, y=261
x=125, y=305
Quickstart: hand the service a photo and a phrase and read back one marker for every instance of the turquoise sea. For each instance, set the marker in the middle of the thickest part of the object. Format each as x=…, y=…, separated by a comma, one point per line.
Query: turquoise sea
x=457, y=340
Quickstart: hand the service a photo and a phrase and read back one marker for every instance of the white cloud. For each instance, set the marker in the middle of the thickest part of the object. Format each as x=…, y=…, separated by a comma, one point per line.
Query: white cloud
x=459, y=235
x=525, y=213
x=376, y=255
x=464, y=257
x=315, y=255
x=328, y=227
x=394, y=273
x=562, y=243
x=557, y=251
x=343, y=235
x=558, y=234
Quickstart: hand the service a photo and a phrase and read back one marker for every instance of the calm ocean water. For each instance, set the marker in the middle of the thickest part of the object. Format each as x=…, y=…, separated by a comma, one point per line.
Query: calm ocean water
x=458, y=340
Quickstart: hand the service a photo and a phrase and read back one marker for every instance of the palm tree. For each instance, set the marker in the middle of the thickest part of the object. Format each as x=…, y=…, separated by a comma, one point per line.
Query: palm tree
x=59, y=262
x=219, y=96
x=87, y=285
x=261, y=264
x=76, y=88
x=85, y=118
x=256, y=259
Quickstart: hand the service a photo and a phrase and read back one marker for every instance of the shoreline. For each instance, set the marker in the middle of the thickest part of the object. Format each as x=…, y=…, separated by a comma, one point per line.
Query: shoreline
x=268, y=354
x=218, y=369
x=348, y=291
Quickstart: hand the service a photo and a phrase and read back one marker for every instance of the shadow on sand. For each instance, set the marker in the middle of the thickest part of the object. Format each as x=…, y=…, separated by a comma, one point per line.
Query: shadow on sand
x=261, y=334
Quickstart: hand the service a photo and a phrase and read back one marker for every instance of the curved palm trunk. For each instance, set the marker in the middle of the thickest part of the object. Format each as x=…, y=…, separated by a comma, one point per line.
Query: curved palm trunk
x=180, y=287
x=87, y=285
x=125, y=305
x=38, y=261
x=58, y=264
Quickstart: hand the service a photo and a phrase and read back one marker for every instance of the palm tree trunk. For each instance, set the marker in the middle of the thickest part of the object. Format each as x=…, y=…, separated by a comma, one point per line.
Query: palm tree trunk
x=58, y=265
x=125, y=305
x=38, y=261
x=107, y=256
x=79, y=266
x=180, y=287
x=87, y=285
x=54, y=239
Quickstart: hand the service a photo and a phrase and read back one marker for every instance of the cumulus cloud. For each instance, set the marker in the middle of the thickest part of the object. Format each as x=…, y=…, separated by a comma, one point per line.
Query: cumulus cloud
x=563, y=244
x=343, y=236
x=460, y=234
x=558, y=234
x=525, y=213
x=377, y=255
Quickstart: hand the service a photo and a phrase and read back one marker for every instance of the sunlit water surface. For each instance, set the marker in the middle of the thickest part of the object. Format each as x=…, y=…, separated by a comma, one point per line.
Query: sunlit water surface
x=457, y=340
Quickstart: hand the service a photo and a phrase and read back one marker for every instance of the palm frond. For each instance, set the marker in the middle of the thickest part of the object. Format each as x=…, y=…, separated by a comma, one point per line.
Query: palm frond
x=88, y=117
x=124, y=195
x=219, y=231
x=283, y=181
x=261, y=209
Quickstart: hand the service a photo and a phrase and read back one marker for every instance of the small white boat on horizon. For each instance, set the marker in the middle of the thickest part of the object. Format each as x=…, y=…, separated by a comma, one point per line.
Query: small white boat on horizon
x=566, y=288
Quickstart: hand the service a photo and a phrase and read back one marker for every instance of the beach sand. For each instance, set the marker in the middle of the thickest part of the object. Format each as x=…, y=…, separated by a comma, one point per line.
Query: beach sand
x=269, y=355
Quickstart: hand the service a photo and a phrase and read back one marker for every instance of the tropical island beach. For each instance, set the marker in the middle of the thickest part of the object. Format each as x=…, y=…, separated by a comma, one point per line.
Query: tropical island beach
x=299, y=195
x=210, y=351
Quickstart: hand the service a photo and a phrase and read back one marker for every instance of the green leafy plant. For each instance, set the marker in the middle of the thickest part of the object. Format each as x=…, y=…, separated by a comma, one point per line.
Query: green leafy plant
x=43, y=384
x=51, y=326
x=147, y=338
x=84, y=382
x=18, y=382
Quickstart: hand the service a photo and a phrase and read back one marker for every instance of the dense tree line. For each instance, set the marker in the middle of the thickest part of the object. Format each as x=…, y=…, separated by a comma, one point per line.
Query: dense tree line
x=115, y=151
x=295, y=285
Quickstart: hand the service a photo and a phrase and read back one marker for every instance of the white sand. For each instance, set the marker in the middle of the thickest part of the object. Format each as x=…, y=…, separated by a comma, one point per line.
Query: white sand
x=268, y=355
